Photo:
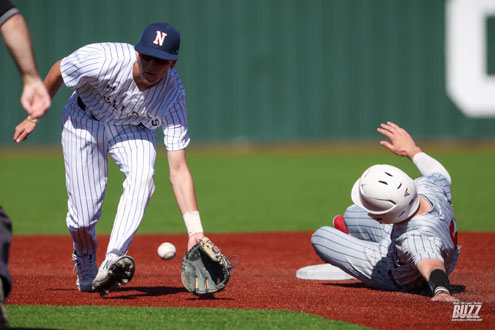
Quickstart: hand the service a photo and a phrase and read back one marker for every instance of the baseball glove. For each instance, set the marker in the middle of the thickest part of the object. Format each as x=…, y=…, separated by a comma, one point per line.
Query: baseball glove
x=205, y=270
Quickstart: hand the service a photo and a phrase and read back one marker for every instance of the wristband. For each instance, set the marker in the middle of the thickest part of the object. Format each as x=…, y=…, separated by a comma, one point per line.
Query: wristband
x=193, y=222
x=33, y=120
x=441, y=289
x=439, y=281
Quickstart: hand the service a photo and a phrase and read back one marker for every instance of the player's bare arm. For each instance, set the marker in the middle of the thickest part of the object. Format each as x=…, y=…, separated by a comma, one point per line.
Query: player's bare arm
x=183, y=187
x=181, y=181
x=433, y=271
x=17, y=38
x=401, y=143
x=52, y=82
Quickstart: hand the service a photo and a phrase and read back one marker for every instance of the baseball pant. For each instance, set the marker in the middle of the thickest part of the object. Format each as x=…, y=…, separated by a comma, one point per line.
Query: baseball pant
x=86, y=143
x=363, y=253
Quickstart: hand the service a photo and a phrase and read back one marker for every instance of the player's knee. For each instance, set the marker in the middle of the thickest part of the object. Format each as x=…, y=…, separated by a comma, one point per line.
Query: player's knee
x=143, y=181
x=318, y=238
x=147, y=186
x=320, y=242
x=353, y=210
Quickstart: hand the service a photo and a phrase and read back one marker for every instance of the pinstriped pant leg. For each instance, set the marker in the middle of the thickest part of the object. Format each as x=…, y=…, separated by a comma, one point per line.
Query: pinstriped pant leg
x=366, y=261
x=84, y=149
x=362, y=226
x=133, y=149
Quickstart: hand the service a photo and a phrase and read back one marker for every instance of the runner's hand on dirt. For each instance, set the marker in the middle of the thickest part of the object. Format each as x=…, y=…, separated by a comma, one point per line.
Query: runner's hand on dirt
x=444, y=297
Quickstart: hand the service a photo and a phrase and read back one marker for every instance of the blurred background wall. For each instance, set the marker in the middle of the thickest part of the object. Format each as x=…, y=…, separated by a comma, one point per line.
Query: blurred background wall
x=290, y=70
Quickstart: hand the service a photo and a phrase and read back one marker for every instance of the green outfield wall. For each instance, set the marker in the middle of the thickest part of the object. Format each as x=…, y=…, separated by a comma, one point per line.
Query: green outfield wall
x=283, y=70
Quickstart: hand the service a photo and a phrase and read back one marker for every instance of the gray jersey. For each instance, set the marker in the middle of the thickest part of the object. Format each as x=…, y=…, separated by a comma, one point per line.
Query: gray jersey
x=432, y=235
x=385, y=256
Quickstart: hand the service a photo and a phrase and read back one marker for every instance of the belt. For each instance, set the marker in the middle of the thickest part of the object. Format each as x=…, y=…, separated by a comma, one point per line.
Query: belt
x=81, y=104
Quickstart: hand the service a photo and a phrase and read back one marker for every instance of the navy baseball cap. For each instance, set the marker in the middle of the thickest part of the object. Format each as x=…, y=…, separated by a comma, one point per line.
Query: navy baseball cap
x=159, y=40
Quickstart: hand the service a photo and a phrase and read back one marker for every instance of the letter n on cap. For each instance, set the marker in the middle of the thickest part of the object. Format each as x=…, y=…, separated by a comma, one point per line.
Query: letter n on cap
x=160, y=37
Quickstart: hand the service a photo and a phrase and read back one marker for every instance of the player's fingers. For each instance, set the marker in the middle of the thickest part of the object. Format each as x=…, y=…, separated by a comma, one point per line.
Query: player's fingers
x=387, y=145
x=40, y=106
x=19, y=129
x=16, y=135
x=397, y=133
x=22, y=136
x=37, y=107
x=385, y=127
x=399, y=130
x=385, y=132
x=23, y=130
x=382, y=129
x=393, y=125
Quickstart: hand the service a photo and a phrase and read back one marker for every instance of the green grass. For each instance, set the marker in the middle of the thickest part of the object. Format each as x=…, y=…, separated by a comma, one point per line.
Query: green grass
x=104, y=317
x=240, y=191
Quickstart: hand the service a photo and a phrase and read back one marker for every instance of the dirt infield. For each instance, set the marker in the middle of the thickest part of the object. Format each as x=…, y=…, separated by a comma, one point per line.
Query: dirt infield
x=265, y=279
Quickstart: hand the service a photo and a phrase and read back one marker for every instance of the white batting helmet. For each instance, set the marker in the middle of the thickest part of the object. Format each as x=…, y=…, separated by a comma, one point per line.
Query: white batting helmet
x=386, y=193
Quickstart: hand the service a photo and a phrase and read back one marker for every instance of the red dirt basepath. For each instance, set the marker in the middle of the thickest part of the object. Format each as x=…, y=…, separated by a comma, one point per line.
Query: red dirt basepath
x=42, y=270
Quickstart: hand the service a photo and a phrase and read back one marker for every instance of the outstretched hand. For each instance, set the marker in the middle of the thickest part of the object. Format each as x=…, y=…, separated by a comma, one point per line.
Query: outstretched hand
x=401, y=143
x=23, y=130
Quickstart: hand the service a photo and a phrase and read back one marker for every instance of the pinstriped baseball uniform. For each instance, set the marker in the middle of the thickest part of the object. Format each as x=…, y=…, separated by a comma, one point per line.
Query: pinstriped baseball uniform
x=108, y=114
x=385, y=256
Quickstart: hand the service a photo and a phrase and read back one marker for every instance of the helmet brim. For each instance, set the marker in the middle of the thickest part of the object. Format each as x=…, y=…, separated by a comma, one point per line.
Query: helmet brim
x=356, y=199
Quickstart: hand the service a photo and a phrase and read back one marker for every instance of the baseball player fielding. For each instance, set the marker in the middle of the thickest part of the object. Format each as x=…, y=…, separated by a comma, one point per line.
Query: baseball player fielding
x=122, y=94
x=166, y=251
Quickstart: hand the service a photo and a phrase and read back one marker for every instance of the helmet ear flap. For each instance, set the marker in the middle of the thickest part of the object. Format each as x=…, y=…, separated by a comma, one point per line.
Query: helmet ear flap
x=387, y=193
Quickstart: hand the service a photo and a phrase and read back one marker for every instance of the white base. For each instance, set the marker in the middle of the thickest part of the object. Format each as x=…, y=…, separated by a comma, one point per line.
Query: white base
x=324, y=272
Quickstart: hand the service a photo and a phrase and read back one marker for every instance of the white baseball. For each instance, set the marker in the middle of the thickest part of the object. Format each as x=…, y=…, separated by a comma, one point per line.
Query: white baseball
x=166, y=251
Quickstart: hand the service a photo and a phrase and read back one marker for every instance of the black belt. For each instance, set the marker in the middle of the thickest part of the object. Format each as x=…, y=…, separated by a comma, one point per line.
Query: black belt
x=81, y=104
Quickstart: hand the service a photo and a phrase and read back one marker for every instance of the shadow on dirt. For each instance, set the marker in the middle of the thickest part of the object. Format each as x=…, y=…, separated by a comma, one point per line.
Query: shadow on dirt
x=422, y=291
x=155, y=291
